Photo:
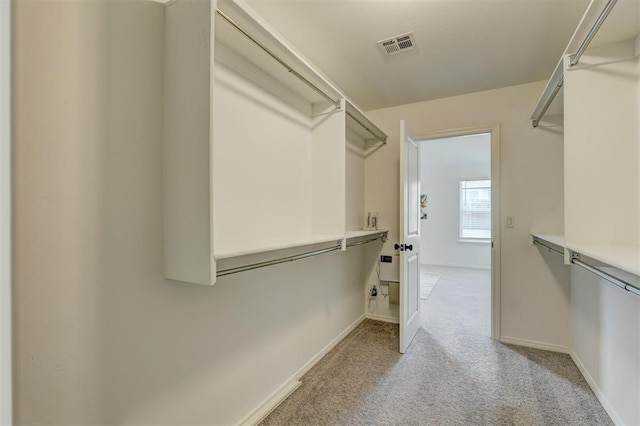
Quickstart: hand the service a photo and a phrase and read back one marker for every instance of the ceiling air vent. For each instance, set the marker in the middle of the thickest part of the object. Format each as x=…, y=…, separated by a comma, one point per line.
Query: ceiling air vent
x=398, y=44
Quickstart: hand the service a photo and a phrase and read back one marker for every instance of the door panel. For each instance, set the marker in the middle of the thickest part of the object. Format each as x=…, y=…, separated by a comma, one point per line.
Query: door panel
x=410, y=237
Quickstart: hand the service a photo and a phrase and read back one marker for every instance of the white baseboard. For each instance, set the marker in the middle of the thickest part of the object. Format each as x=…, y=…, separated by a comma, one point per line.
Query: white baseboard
x=313, y=361
x=383, y=318
x=534, y=344
x=596, y=390
x=268, y=405
x=275, y=399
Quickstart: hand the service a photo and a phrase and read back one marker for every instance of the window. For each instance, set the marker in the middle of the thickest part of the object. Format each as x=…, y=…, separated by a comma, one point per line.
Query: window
x=475, y=210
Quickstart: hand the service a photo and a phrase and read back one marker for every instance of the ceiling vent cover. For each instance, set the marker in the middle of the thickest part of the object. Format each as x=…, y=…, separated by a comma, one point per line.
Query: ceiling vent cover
x=398, y=44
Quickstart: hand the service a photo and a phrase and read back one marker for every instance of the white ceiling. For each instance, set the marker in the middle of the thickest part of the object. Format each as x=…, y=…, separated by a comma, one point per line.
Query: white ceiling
x=463, y=45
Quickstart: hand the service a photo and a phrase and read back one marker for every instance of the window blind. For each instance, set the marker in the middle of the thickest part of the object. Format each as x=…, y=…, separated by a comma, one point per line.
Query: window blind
x=475, y=209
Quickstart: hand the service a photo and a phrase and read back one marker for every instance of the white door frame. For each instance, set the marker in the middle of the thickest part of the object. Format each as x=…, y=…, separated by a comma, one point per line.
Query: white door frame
x=494, y=130
x=5, y=214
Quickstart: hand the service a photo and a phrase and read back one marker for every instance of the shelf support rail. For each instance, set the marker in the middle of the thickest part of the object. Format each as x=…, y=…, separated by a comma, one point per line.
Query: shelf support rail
x=547, y=99
x=537, y=241
x=290, y=69
x=575, y=259
x=338, y=246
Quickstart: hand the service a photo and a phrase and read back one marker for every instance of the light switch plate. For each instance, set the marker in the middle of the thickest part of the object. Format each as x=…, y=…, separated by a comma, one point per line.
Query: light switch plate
x=509, y=221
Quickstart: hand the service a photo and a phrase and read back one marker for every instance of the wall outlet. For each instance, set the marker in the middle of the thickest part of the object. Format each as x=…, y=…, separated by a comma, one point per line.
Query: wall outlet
x=386, y=259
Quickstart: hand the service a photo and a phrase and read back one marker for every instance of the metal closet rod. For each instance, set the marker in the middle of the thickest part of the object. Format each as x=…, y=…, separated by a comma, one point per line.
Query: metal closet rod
x=364, y=126
x=230, y=271
x=551, y=249
x=268, y=51
x=382, y=237
x=575, y=58
x=338, y=246
x=290, y=69
x=575, y=259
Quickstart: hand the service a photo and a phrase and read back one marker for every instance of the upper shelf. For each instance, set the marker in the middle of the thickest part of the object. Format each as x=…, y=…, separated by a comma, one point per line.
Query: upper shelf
x=621, y=24
x=242, y=31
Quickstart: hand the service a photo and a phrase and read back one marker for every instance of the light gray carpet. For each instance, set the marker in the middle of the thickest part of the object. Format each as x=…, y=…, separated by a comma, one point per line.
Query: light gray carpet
x=452, y=374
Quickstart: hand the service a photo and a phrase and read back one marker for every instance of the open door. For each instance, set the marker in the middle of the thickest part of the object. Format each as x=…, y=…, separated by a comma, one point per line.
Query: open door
x=409, y=245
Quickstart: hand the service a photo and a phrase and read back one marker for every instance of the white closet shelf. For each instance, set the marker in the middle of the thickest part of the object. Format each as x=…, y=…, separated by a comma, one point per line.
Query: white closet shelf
x=623, y=257
x=588, y=27
x=364, y=233
x=243, y=248
x=626, y=258
x=229, y=77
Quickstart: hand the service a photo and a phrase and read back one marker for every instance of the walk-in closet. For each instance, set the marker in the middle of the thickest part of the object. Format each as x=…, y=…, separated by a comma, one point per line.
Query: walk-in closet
x=211, y=209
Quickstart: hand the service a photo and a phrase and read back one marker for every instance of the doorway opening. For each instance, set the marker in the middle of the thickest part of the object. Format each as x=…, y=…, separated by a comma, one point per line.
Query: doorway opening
x=459, y=221
x=410, y=245
x=455, y=209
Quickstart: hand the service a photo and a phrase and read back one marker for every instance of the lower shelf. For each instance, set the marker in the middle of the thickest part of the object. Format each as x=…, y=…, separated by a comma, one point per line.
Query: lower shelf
x=327, y=243
x=246, y=248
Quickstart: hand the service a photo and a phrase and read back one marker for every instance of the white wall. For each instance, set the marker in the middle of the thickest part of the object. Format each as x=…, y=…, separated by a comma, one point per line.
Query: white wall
x=5, y=213
x=101, y=336
x=606, y=342
x=602, y=146
x=355, y=216
x=444, y=163
x=535, y=293
x=278, y=203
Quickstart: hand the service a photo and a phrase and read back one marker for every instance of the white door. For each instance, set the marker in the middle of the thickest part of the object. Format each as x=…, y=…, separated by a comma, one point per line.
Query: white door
x=409, y=245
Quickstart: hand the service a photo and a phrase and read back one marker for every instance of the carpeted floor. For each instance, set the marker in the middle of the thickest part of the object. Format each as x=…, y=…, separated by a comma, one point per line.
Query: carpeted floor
x=452, y=374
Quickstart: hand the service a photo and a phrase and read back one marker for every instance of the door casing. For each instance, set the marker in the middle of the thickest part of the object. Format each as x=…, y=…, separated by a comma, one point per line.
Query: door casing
x=494, y=131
